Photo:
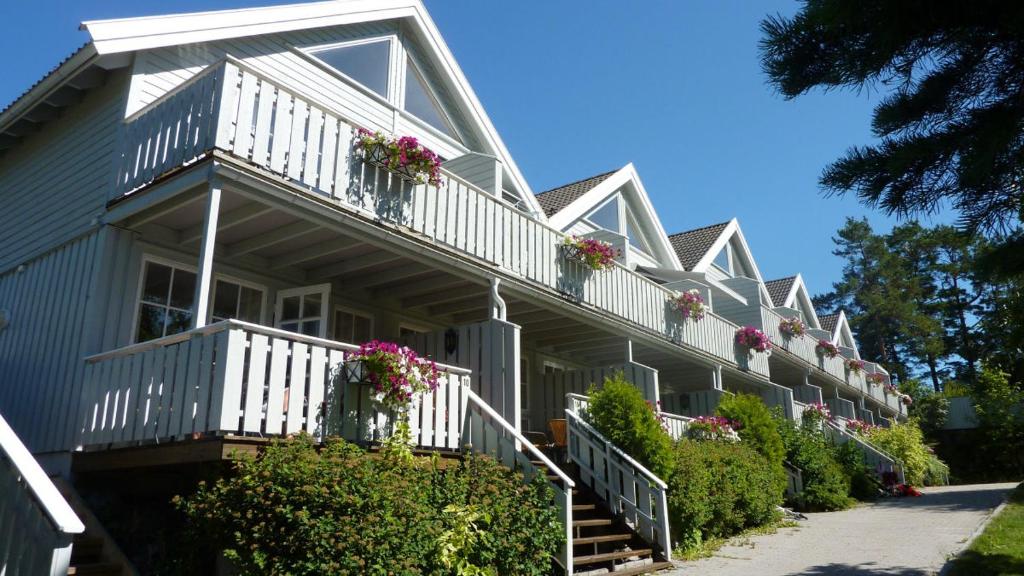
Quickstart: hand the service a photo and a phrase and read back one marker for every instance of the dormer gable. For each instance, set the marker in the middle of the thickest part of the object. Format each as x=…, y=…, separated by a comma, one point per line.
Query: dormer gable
x=838, y=327
x=719, y=252
x=791, y=293
x=613, y=205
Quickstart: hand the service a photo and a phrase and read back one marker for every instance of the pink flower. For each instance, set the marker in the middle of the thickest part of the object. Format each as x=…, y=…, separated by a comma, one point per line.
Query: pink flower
x=753, y=339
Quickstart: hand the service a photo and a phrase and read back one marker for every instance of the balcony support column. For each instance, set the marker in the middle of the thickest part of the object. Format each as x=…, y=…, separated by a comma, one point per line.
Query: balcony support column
x=204, y=270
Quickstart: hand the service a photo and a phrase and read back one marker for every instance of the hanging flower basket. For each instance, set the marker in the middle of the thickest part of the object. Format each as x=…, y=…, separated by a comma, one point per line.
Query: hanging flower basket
x=826, y=349
x=753, y=340
x=403, y=156
x=593, y=254
x=855, y=366
x=891, y=389
x=793, y=327
x=713, y=428
x=815, y=414
x=858, y=426
x=691, y=305
x=395, y=374
x=876, y=378
x=906, y=399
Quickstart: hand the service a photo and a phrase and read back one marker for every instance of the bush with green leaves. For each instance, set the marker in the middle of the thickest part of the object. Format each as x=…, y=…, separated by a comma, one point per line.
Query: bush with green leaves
x=302, y=511
x=757, y=428
x=826, y=482
x=999, y=406
x=719, y=489
x=865, y=483
x=621, y=414
x=905, y=442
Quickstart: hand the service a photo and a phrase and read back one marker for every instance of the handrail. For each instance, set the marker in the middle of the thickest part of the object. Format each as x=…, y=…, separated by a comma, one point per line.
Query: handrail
x=472, y=397
x=232, y=323
x=46, y=494
x=870, y=447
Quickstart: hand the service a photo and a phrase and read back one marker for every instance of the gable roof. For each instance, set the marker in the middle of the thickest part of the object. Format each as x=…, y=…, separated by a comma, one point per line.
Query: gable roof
x=780, y=289
x=554, y=200
x=829, y=322
x=692, y=245
x=115, y=40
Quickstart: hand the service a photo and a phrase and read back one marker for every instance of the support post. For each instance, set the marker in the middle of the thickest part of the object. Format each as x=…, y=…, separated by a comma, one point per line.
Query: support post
x=629, y=350
x=204, y=271
x=717, y=377
x=498, y=309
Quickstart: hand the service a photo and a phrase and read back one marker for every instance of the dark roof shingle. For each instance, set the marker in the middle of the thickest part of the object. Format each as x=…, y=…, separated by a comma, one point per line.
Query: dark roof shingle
x=828, y=322
x=692, y=245
x=779, y=289
x=554, y=200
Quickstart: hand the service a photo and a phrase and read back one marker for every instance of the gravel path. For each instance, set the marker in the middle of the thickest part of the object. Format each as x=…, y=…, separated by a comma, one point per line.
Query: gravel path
x=904, y=537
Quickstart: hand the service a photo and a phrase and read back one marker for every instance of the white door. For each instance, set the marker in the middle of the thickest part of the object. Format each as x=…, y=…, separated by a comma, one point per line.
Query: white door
x=303, y=310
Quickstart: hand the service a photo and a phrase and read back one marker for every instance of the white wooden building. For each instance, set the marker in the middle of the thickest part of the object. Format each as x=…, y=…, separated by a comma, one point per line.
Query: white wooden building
x=191, y=246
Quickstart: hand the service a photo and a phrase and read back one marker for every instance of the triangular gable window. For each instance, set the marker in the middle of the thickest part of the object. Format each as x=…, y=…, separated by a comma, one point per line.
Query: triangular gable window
x=366, y=63
x=633, y=232
x=722, y=260
x=739, y=267
x=421, y=103
x=607, y=216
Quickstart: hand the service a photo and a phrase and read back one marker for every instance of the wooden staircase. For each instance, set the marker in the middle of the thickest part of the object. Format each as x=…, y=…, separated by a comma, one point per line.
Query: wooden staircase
x=603, y=544
x=93, y=552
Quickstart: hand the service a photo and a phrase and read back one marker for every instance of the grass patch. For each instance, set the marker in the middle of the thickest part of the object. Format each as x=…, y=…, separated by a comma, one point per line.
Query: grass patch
x=999, y=550
x=707, y=548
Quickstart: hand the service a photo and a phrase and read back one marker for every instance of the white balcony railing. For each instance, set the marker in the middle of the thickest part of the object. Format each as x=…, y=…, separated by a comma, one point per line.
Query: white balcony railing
x=236, y=110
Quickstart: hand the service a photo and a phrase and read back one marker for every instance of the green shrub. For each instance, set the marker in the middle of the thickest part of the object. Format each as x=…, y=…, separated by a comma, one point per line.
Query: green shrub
x=999, y=406
x=826, y=483
x=905, y=442
x=757, y=428
x=719, y=489
x=620, y=413
x=342, y=511
x=864, y=481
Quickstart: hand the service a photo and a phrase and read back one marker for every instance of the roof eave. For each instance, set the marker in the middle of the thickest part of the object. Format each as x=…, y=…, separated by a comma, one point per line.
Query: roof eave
x=85, y=57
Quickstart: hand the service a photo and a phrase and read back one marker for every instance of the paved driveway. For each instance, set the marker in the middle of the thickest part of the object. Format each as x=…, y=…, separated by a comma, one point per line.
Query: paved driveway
x=905, y=537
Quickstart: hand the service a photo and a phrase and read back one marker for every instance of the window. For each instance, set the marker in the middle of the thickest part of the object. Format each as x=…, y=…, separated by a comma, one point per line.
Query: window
x=165, y=305
x=367, y=63
x=233, y=300
x=352, y=327
x=722, y=260
x=633, y=233
x=420, y=102
x=409, y=330
x=607, y=216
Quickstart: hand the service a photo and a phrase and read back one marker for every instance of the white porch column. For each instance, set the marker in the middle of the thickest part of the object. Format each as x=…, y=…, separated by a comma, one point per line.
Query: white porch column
x=204, y=271
x=498, y=309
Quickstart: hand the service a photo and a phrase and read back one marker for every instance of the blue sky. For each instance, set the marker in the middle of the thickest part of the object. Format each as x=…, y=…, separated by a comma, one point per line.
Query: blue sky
x=578, y=88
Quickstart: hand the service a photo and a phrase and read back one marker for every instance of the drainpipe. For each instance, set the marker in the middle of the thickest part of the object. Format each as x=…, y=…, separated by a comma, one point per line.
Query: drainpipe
x=498, y=311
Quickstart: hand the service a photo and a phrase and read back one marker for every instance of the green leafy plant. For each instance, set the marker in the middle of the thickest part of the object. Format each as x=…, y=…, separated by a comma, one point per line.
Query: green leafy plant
x=757, y=428
x=303, y=511
x=719, y=489
x=826, y=483
x=619, y=412
x=905, y=442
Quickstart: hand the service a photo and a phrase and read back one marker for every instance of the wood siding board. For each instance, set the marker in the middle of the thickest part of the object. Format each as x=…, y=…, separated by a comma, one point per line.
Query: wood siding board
x=297, y=388
x=255, y=392
x=275, y=398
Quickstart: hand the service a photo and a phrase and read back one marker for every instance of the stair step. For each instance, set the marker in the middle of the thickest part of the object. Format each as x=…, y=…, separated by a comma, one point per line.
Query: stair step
x=645, y=569
x=583, y=507
x=609, y=556
x=592, y=522
x=97, y=569
x=601, y=539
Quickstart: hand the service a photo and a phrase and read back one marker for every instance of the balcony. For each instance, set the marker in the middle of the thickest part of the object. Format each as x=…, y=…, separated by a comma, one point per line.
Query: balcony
x=233, y=111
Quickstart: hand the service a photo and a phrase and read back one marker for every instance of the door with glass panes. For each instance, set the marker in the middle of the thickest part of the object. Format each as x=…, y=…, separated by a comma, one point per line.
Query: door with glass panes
x=303, y=310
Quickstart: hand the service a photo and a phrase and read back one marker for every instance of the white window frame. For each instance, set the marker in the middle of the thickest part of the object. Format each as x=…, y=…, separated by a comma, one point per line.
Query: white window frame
x=417, y=69
x=325, y=305
x=394, y=50
x=355, y=312
x=162, y=261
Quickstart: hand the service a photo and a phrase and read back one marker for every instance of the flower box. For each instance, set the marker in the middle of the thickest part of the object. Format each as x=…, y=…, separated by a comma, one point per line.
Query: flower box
x=691, y=305
x=713, y=428
x=593, y=254
x=855, y=366
x=814, y=414
x=753, y=340
x=792, y=327
x=858, y=426
x=876, y=379
x=403, y=157
x=826, y=349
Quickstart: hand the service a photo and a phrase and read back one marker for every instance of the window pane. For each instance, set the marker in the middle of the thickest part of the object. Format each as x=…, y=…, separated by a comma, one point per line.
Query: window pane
x=156, y=283
x=183, y=289
x=420, y=103
x=250, y=305
x=225, y=301
x=290, y=326
x=364, y=63
x=606, y=216
x=631, y=232
x=289, y=308
x=151, y=323
x=362, y=329
x=178, y=321
x=722, y=260
x=311, y=328
x=311, y=306
x=343, y=327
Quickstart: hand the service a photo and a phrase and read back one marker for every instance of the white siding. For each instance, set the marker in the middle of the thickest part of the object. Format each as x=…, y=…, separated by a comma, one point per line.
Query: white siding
x=55, y=182
x=41, y=350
